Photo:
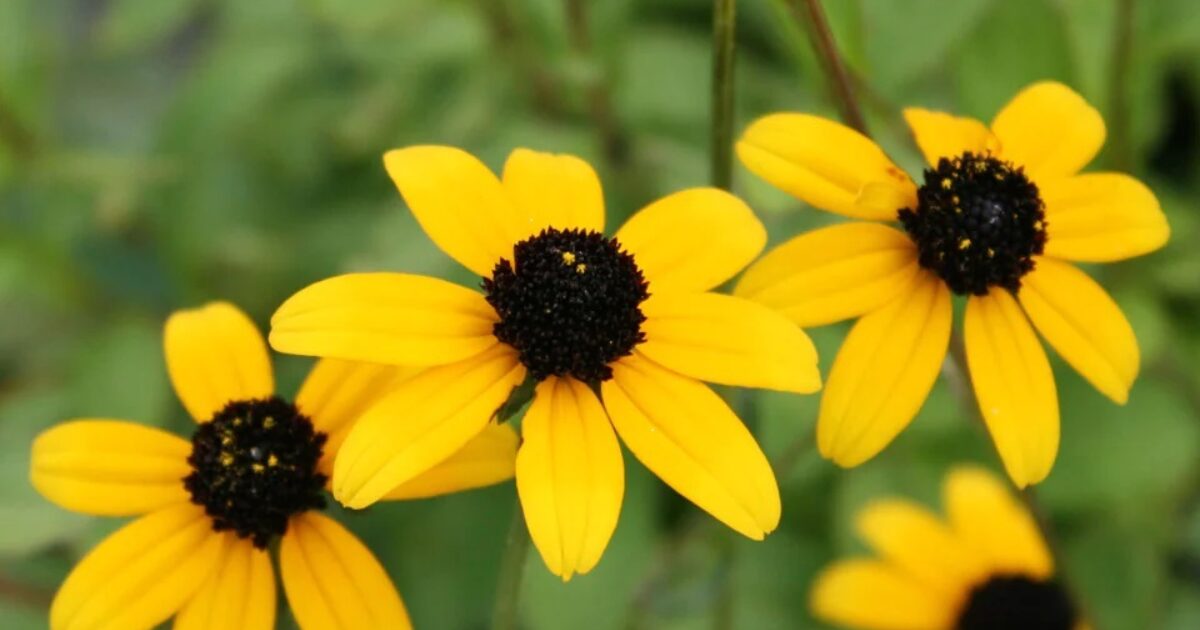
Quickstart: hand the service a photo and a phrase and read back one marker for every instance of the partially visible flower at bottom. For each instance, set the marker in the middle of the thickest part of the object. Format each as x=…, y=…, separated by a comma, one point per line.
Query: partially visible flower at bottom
x=985, y=566
x=254, y=473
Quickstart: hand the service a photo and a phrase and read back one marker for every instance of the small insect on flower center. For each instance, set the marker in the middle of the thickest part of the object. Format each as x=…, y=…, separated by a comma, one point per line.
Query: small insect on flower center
x=978, y=223
x=1006, y=602
x=254, y=465
x=568, y=303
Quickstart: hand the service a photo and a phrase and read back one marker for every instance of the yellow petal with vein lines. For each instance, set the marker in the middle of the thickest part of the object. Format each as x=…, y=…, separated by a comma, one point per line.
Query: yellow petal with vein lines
x=337, y=392
x=421, y=423
x=684, y=433
x=555, y=189
x=824, y=163
x=940, y=135
x=216, y=355
x=833, y=273
x=459, y=203
x=570, y=476
x=986, y=516
x=916, y=541
x=693, y=240
x=728, y=340
x=333, y=582
x=1102, y=217
x=1049, y=130
x=883, y=373
x=1014, y=385
x=1080, y=321
x=142, y=574
x=487, y=459
x=240, y=593
x=873, y=595
x=110, y=467
x=394, y=318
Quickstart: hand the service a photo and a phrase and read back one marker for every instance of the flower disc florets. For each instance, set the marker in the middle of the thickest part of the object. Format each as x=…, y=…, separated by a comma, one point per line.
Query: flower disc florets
x=978, y=223
x=568, y=303
x=254, y=465
x=1007, y=602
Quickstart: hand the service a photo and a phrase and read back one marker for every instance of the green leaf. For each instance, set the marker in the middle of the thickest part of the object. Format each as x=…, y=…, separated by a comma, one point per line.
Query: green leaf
x=131, y=25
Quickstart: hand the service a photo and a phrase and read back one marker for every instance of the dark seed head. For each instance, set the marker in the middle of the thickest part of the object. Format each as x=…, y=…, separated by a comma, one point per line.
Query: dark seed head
x=254, y=465
x=568, y=303
x=1007, y=602
x=978, y=223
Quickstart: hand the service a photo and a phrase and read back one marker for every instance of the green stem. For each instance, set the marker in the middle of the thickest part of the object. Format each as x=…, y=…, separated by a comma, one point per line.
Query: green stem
x=840, y=83
x=512, y=573
x=1119, y=85
x=721, y=138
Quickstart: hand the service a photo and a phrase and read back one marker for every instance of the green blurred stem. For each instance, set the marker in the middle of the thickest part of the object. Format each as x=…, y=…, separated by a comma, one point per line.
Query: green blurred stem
x=512, y=573
x=840, y=83
x=721, y=138
x=1119, y=85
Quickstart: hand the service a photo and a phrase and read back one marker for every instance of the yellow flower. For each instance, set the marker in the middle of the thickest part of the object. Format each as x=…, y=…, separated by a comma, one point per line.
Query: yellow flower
x=253, y=472
x=629, y=318
x=985, y=566
x=1000, y=216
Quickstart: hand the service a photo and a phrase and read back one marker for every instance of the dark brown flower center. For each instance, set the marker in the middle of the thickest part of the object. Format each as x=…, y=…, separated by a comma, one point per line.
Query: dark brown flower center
x=568, y=303
x=1008, y=602
x=978, y=223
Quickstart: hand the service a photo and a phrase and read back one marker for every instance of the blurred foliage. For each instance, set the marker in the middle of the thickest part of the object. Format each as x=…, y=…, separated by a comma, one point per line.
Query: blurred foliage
x=156, y=154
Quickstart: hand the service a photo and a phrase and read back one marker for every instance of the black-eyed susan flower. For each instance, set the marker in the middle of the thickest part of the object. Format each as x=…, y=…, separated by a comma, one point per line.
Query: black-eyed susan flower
x=616, y=332
x=253, y=473
x=984, y=566
x=1000, y=217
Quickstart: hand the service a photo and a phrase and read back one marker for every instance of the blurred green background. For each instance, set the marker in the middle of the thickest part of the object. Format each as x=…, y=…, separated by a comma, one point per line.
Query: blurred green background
x=156, y=154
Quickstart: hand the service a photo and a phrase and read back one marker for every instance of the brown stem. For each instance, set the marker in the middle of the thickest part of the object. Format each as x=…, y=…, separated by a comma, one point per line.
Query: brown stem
x=25, y=594
x=812, y=14
x=599, y=96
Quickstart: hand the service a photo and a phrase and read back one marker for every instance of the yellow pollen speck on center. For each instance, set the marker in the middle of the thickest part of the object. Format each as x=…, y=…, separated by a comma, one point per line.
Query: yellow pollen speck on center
x=947, y=183
x=272, y=460
x=965, y=243
x=581, y=268
x=226, y=459
x=268, y=422
x=258, y=467
x=568, y=258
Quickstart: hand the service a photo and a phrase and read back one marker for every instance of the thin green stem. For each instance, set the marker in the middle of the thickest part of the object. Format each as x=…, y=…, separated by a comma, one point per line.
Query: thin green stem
x=840, y=83
x=721, y=137
x=1122, y=150
x=512, y=573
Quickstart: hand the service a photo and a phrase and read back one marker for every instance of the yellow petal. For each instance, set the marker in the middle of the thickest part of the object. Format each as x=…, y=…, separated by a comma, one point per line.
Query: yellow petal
x=986, y=516
x=940, y=135
x=694, y=239
x=916, y=541
x=823, y=163
x=1014, y=385
x=459, y=203
x=394, y=318
x=684, y=433
x=833, y=273
x=421, y=423
x=555, y=189
x=872, y=595
x=240, y=593
x=337, y=392
x=216, y=355
x=728, y=340
x=487, y=459
x=110, y=467
x=1102, y=217
x=570, y=476
x=141, y=574
x=1080, y=321
x=1049, y=130
x=883, y=373
x=333, y=582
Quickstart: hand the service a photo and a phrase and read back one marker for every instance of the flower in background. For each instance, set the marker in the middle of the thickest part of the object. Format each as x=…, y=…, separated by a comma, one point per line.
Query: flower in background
x=253, y=473
x=984, y=567
x=999, y=217
x=616, y=333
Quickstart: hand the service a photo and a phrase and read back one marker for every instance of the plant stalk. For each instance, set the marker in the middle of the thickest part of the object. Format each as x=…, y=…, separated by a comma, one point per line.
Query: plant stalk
x=512, y=572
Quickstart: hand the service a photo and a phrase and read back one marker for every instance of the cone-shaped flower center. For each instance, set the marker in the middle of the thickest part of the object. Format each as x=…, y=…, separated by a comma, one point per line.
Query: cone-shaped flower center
x=1006, y=602
x=254, y=465
x=568, y=303
x=978, y=223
